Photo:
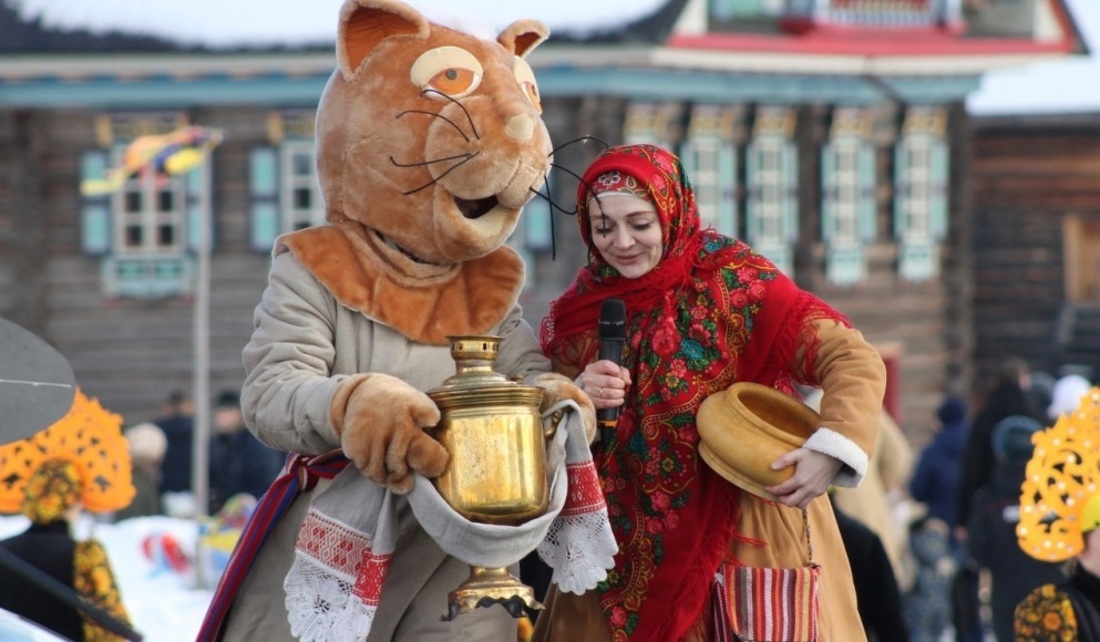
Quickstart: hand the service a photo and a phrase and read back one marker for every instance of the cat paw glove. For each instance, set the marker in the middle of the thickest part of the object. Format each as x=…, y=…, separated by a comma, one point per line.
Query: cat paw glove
x=380, y=421
x=558, y=387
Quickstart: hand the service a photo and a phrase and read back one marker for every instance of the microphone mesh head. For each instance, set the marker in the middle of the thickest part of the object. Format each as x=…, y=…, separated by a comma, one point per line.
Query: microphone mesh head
x=612, y=322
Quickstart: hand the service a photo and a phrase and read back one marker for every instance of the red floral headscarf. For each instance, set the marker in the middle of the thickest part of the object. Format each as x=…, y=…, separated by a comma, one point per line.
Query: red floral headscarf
x=712, y=312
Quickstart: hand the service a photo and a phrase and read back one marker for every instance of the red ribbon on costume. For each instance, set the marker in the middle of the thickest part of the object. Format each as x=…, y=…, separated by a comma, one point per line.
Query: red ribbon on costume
x=300, y=473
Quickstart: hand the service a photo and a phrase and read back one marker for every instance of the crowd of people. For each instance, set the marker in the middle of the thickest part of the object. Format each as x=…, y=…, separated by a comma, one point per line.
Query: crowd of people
x=161, y=454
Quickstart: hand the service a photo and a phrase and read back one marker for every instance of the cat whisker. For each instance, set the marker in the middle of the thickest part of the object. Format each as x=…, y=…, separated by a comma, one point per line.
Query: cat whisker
x=465, y=158
x=460, y=106
x=553, y=226
x=566, y=170
x=580, y=139
x=432, y=113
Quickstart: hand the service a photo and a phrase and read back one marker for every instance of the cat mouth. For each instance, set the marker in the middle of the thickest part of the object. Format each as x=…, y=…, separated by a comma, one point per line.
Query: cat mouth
x=473, y=209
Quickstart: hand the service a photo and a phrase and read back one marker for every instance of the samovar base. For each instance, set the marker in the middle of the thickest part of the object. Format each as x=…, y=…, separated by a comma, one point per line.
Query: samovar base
x=488, y=586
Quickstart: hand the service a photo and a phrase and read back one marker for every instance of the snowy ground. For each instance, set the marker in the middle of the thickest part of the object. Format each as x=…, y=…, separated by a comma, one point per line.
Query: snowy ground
x=165, y=605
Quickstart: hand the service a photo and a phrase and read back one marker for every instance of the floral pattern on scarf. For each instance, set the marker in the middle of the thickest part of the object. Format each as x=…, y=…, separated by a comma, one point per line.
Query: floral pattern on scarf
x=712, y=312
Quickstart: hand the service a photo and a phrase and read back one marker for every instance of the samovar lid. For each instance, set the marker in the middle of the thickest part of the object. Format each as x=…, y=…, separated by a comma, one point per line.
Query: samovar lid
x=474, y=356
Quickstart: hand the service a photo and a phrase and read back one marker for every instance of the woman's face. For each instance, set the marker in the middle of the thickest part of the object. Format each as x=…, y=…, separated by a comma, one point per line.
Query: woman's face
x=626, y=231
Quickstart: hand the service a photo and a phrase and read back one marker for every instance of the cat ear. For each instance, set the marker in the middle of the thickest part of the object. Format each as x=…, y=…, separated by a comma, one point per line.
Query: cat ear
x=522, y=36
x=366, y=23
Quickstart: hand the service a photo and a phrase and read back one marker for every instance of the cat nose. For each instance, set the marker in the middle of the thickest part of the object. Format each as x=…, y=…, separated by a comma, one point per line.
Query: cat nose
x=520, y=127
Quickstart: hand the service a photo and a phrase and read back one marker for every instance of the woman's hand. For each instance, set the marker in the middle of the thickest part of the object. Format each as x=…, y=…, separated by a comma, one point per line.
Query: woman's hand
x=605, y=382
x=813, y=473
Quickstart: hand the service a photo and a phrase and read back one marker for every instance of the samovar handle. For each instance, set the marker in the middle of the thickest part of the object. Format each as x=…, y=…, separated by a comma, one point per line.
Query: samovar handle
x=555, y=419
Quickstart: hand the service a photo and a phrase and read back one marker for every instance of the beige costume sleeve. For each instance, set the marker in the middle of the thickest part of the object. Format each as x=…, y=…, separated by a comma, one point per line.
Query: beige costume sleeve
x=852, y=377
x=894, y=460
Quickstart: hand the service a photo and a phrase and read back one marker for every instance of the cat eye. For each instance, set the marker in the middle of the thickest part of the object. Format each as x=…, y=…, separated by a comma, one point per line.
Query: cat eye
x=450, y=71
x=525, y=78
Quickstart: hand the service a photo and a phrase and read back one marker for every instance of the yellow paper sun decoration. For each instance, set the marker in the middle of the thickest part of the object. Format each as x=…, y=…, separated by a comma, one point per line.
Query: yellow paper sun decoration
x=1058, y=499
x=91, y=438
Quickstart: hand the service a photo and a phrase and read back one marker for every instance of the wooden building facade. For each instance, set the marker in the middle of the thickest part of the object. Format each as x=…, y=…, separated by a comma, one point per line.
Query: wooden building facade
x=1036, y=249
x=834, y=139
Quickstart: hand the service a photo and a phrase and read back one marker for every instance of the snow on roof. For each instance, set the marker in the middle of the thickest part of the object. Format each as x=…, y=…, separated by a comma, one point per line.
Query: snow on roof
x=217, y=23
x=1067, y=86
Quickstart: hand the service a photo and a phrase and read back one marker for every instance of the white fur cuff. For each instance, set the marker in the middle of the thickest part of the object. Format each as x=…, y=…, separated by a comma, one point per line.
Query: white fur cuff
x=837, y=445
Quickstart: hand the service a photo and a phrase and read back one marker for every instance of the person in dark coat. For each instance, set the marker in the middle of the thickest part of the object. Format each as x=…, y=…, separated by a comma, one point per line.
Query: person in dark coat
x=239, y=463
x=935, y=483
x=935, y=480
x=878, y=597
x=928, y=602
x=995, y=512
x=147, y=447
x=178, y=423
x=1009, y=397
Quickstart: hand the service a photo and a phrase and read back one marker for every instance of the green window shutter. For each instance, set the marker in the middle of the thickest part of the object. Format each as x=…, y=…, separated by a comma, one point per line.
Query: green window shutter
x=828, y=193
x=790, y=190
x=688, y=160
x=866, y=209
x=727, y=189
x=263, y=190
x=901, y=188
x=95, y=211
x=940, y=179
x=537, y=221
x=752, y=180
x=194, y=183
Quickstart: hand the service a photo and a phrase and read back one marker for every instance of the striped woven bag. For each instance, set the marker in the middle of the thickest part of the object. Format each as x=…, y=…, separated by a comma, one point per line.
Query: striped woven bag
x=770, y=604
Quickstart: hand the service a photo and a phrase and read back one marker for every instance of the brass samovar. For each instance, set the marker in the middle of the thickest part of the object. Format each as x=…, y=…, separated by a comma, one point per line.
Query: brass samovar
x=493, y=431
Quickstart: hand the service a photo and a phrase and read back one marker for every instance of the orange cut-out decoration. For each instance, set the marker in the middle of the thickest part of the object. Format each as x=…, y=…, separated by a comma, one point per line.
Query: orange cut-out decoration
x=90, y=437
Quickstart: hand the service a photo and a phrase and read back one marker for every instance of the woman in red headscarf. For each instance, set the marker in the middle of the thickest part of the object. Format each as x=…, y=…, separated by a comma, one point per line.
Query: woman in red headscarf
x=704, y=311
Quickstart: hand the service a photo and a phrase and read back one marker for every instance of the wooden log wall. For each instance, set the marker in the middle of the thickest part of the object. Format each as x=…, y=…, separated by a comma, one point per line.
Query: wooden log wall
x=1029, y=174
x=129, y=354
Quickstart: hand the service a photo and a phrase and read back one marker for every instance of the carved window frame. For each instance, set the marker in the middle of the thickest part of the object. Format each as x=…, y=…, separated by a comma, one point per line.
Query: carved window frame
x=144, y=233
x=921, y=179
x=709, y=156
x=771, y=182
x=848, y=206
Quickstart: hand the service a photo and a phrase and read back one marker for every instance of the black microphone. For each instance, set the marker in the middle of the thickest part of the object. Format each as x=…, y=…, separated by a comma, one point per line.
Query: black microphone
x=611, y=329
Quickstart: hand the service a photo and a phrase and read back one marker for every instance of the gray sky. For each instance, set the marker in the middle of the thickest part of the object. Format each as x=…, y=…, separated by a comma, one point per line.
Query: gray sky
x=220, y=22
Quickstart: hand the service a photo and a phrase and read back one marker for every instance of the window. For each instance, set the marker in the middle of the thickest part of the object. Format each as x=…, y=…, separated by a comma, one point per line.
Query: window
x=848, y=197
x=150, y=212
x=771, y=172
x=145, y=225
x=920, y=200
x=284, y=191
x=731, y=9
x=710, y=162
x=650, y=123
x=301, y=193
x=533, y=232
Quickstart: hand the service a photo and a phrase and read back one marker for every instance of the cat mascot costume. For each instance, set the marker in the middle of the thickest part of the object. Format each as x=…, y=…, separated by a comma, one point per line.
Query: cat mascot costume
x=429, y=143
